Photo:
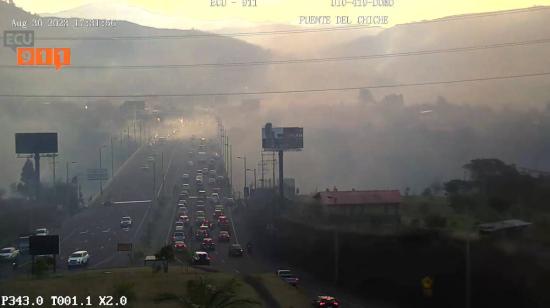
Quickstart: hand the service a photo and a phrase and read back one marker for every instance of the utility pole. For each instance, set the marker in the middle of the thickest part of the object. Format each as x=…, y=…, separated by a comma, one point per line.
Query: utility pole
x=100, y=180
x=254, y=178
x=273, y=168
x=281, y=176
x=112, y=158
x=263, y=168
x=336, y=256
x=231, y=166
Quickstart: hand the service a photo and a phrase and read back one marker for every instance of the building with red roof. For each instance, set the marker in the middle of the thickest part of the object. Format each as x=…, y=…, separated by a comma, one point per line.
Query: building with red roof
x=355, y=203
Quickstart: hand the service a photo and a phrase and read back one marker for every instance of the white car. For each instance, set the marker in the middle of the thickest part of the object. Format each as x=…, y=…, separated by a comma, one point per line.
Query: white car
x=77, y=258
x=126, y=222
x=41, y=231
x=9, y=253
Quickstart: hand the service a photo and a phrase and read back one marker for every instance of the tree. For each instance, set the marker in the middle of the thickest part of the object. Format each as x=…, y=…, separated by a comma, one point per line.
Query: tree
x=203, y=293
x=27, y=180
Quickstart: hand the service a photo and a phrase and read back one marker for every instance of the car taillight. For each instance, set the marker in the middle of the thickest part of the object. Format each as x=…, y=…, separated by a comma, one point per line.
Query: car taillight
x=336, y=304
x=321, y=303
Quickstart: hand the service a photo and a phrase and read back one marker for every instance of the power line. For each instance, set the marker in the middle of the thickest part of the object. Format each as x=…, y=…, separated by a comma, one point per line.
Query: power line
x=295, y=61
x=278, y=32
x=399, y=85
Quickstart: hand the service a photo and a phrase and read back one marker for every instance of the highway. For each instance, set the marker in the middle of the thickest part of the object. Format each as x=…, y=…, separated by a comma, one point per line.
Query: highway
x=97, y=229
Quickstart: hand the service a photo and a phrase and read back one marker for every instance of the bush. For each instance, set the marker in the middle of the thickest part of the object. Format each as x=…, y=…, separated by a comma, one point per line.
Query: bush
x=435, y=221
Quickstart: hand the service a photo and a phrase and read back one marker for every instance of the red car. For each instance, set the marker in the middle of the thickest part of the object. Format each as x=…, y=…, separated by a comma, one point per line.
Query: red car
x=325, y=301
x=180, y=245
x=208, y=244
x=222, y=220
x=224, y=236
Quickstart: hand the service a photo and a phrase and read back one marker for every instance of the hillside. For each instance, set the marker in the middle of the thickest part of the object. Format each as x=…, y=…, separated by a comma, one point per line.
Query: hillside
x=128, y=52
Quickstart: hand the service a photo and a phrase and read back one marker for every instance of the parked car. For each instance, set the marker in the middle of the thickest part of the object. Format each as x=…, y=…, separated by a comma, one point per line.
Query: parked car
x=78, y=258
x=201, y=258
x=235, y=250
x=9, y=254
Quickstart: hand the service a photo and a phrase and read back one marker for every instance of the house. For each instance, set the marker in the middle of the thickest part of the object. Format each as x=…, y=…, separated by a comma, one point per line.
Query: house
x=383, y=204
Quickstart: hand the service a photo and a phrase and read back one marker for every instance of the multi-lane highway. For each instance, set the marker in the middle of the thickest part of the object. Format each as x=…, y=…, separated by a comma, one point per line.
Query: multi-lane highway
x=130, y=193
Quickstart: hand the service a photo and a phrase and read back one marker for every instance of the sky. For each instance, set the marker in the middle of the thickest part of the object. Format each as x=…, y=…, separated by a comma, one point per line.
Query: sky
x=289, y=11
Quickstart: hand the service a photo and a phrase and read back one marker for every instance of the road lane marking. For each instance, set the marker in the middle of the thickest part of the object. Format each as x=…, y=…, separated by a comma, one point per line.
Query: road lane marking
x=233, y=226
x=130, y=202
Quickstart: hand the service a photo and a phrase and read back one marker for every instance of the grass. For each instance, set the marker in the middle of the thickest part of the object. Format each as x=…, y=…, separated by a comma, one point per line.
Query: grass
x=141, y=283
x=286, y=295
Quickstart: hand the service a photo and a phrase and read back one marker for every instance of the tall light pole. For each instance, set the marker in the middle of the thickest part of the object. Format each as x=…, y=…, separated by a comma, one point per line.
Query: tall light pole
x=244, y=171
x=253, y=170
x=100, y=180
x=231, y=167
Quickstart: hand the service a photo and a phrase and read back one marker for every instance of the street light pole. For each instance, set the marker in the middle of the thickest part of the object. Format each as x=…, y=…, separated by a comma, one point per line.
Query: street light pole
x=112, y=158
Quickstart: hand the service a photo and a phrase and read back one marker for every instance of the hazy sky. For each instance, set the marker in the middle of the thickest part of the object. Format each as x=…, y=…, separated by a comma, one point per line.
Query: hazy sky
x=288, y=11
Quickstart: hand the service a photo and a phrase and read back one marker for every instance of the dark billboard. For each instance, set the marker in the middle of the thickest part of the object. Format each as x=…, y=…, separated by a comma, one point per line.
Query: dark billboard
x=282, y=138
x=44, y=245
x=30, y=143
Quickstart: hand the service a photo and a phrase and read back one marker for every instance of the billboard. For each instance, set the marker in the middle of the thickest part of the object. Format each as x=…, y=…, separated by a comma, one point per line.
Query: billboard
x=44, y=245
x=282, y=138
x=30, y=143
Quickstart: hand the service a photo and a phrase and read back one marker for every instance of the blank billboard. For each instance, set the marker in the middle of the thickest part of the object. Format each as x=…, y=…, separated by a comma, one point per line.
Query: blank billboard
x=30, y=143
x=282, y=138
x=44, y=245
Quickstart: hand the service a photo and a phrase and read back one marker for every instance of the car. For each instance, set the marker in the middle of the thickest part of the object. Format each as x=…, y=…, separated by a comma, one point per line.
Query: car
x=217, y=214
x=201, y=258
x=200, y=220
x=199, y=172
x=200, y=204
x=204, y=226
x=224, y=236
x=180, y=245
x=185, y=186
x=126, y=222
x=325, y=301
x=201, y=234
x=200, y=213
x=178, y=236
x=205, y=170
x=287, y=276
x=185, y=177
x=9, y=253
x=223, y=220
x=182, y=210
x=184, y=218
x=78, y=258
x=202, y=194
x=179, y=226
x=235, y=250
x=218, y=207
x=211, y=181
x=208, y=244
x=183, y=195
x=216, y=197
x=41, y=231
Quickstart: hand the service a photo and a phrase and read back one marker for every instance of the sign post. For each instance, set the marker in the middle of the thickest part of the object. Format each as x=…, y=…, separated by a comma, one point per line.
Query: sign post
x=281, y=139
